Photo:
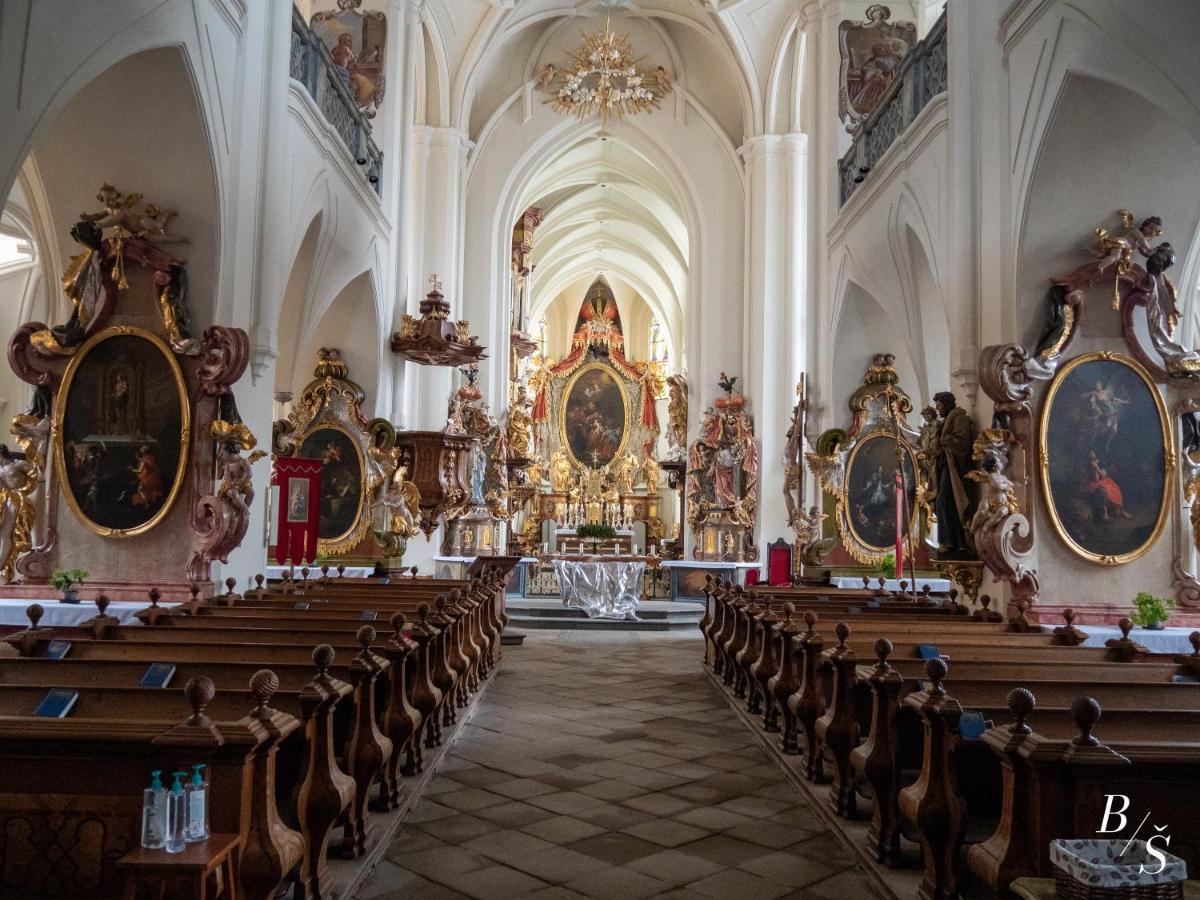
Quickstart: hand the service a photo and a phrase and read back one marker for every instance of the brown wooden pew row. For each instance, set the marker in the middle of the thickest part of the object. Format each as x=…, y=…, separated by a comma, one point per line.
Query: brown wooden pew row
x=82, y=777
x=1145, y=756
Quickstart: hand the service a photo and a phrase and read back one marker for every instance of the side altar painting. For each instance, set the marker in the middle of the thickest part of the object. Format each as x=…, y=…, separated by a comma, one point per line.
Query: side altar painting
x=133, y=426
x=362, y=500
x=871, y=54
x=357, y=41
x=1111, y=431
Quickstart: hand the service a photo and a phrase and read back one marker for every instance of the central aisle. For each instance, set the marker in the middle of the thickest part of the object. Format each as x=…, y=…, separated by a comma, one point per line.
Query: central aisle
x=603, y=764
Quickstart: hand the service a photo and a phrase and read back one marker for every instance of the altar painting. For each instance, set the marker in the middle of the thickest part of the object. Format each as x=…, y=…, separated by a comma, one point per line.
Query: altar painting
x=341, y=481
x=871, y=491
x=1105, y=442
x=121, y=431
x=595, y=417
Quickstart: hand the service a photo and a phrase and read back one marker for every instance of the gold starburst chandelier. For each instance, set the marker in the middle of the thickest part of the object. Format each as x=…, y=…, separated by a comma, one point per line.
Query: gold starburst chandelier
x=603, y=78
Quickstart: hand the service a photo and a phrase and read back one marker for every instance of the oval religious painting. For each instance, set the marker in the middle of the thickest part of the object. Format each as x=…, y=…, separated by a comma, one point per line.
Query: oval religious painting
x=1105, y=437
x=595, y=420
x=870, y=505
x=121, y=431
x=341, y=481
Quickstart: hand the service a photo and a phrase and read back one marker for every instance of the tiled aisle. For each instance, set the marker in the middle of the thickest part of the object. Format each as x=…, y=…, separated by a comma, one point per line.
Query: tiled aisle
x=603, y=764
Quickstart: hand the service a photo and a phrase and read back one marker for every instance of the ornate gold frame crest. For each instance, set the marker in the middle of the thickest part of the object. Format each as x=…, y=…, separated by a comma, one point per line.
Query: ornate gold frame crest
x=627, y=406
x=178, y=477
x=879, y=411
x=331, y=401
x=1169, y=457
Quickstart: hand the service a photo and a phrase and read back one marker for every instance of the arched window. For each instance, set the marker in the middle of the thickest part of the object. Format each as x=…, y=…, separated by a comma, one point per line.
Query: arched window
x=14, y=249
x=658, y=344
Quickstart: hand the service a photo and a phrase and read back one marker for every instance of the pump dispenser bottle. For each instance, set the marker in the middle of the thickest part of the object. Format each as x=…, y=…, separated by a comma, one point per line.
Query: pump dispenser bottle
x=176, y=814
x=197, y=806
x=154, y=813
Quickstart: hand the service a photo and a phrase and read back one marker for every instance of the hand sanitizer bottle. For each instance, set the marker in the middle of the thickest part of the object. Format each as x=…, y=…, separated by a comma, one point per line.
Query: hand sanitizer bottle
x=176, y=815
x=154, y=813
x=197, y=805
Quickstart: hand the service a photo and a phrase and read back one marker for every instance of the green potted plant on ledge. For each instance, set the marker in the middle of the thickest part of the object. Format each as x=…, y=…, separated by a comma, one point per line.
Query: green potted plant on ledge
x=594, y=533
x=1150, y=611
x=68, y=581
x=887, y=567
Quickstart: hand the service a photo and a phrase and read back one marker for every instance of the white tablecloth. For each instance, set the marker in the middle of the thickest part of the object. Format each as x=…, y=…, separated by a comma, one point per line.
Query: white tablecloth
x=603, y=590
x=12, y=612
x=314, y=572
x=937, y=585
x=1169, y=640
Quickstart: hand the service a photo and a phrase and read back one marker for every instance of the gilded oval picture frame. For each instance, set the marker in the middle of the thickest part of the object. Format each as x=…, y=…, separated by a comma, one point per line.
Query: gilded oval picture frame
x=340, y=520
x=869, y=496
x=596, y=420
x=1106, y=458
x=122, y=426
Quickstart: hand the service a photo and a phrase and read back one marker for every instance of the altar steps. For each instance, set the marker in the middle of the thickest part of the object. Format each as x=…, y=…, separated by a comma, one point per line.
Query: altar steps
x=655, y=615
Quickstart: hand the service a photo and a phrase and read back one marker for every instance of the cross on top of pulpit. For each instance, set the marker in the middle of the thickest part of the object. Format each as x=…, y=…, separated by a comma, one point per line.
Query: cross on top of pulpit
x=435, y=284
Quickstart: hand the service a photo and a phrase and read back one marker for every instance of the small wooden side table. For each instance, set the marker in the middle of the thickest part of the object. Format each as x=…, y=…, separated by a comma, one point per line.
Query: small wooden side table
x=158, y=868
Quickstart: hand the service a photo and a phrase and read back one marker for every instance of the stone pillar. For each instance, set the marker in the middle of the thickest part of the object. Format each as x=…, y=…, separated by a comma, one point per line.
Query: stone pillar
x=775, y=325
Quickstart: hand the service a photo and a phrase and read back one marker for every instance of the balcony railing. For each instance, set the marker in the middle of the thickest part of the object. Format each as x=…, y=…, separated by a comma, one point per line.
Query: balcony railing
x=920, y=78
x=313, y=67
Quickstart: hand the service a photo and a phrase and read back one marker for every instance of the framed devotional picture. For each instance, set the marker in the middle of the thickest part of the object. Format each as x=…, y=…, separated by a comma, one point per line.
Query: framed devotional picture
x=870, y=494
x=595, y=419
x=341, y=495
x=1106, y=458
x=121, y=431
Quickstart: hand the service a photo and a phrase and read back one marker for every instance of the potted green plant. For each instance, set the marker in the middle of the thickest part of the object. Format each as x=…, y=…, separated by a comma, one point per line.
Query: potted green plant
x=594, y=533
x=1150, y=611
x=67, y=581
x=887, y=567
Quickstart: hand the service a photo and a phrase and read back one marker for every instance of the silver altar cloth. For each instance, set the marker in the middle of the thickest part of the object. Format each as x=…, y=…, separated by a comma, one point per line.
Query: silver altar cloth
x=603, y=590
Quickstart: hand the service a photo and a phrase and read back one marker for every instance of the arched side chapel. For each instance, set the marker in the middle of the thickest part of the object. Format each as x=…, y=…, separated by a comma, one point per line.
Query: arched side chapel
x=832, y=215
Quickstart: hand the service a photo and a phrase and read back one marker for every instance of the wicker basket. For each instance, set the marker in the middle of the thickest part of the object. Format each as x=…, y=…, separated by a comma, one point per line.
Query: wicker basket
x=1096, y=870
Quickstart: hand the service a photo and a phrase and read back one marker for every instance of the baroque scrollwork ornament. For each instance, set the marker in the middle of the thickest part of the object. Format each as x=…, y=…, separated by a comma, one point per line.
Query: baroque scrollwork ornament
x=1000, y=531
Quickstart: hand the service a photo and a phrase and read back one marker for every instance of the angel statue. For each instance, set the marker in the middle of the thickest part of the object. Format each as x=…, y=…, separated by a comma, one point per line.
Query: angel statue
x=546, y=75
x=18, y=479
x=811, y=546
x=1118, y=250
x=402, y=499
x=560, y=472
x=520, y=426
x=998, y=498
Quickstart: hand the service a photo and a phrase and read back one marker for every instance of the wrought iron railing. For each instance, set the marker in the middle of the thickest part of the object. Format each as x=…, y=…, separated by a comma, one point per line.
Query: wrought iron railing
x=313, y=67
x=920, y=78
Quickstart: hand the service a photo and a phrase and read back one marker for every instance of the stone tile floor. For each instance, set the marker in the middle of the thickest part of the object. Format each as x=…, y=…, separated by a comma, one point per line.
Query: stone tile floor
x=604, y=764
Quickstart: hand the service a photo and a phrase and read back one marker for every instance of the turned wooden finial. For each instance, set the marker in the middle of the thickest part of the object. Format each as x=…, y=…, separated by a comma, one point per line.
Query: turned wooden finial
x=263, y=685
x=258, y=581
x=985, y=600
x=324, y=570
x=953, y=595
x=1022, y=607
x=1086, y=713
x=810, y=621
x=230, y=584
x=440, y=603
x=842, y=630
x=323, y=656
x=199, y=692
x=414, y=570
x=1021, y=703
x=341, y=570
x=883, y=649
x=788, y=609
x=936, y=669
x=154, y=594
x=34, y=613
x=304, y=573
x=926, y=591
x=1068, y=615
x=423, y=612
x=366, y=637
x=1126, y=626
x=194, y=590
x=867, y=582
x=102, y=603
x=903, y=585
x=1194, y=640
x=398, y=620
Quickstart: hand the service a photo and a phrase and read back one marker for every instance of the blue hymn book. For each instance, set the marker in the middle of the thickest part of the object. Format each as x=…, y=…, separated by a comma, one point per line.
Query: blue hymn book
x=57, y=703
x=159, y=675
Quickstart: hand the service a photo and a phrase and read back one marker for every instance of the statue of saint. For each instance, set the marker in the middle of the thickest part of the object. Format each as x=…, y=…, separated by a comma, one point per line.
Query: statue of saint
x=677, y=414
x=952, y=461
x=651, y=473
x=520, y=426
x=625, y=470
x=560, y=472
x=18, y=479
x=926, y=444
